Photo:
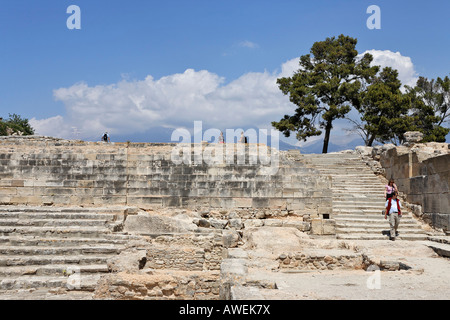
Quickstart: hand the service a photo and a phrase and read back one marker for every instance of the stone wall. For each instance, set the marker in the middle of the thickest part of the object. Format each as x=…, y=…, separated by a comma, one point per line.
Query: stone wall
x=186, y=252
x=154, y=286
x=48, y=171
x=324, y=261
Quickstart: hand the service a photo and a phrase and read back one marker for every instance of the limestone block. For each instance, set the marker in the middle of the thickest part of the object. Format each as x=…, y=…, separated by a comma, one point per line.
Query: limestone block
x=323, y=226
x=253, y=223
x=273, y=223
x=275, y=203
x=218, y=223
x=413, y=137
x=329, y=226
x=260, y=203
x=242, y=202
x=17, y=183
x=147, y=224
x=230, y=239
x=8, y=191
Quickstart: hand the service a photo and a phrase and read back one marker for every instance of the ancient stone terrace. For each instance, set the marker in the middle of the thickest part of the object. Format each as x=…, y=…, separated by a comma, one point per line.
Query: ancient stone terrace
x=47, y=171
x=82, y=220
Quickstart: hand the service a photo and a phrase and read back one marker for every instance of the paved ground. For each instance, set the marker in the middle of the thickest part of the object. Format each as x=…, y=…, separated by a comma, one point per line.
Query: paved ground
x=427, y=275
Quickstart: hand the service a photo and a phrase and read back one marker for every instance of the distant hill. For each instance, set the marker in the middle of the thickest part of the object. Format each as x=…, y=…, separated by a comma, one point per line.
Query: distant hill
x=163, y=135
x=317, y=147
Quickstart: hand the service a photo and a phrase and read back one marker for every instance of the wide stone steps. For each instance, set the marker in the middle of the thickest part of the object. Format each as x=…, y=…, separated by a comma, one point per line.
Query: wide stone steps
x=51, y=223
x=376, y=236
x=21, y=260
x=358, y=200
x=54, y=269
x=68, y=231
x=113, y=239
x=9, y=250
x=81, y=283
x=57, y=248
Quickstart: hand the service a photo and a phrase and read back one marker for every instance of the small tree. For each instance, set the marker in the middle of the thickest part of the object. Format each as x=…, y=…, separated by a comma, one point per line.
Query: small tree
x=324, y=88
x=16, y=124
x=430, y=107
x=384, y=110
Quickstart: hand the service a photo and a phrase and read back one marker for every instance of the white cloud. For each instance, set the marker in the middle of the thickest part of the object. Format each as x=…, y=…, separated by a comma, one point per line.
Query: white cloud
x=53, y=127
x=385, y=58
x=248, y=44
x=177, y=100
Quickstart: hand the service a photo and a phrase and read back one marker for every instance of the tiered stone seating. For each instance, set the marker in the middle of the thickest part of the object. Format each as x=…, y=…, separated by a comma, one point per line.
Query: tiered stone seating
x=40, y=171
x=52, y=248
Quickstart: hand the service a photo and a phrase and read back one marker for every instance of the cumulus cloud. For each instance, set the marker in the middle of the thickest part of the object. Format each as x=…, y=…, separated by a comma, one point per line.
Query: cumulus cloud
x=248, y=44
x=134, y=106
x=177, y=100
x=386, y=58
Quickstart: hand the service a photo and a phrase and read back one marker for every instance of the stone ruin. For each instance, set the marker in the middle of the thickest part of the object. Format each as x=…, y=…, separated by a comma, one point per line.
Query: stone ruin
x=84, y=220
x=421, y=172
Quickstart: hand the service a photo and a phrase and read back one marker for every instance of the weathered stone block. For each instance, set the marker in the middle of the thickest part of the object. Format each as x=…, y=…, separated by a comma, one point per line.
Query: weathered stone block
x=323, y=226
x=242, y=202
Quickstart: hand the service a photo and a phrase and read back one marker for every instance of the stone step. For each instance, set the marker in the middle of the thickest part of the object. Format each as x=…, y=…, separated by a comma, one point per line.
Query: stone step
x=51, y=223
x=358, y=210
x=93, y=232
x=54, y=269
x=350, y=175
x=337, y=167
x=363, y=189
x=359, y=215
x=11, y=250
x=62, y=210
x=359, y=201
x=29, y=241
x=358, y=196
x=57, y=216
x=371, y=223
x=372, y=236
x=378, y=192
x=373, y=183
x=24, y=260
x=83, y=282
x=442, y=249
x=380, y=230
x=356, y=207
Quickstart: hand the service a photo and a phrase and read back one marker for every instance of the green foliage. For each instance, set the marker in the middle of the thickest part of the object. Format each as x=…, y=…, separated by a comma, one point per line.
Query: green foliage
x=384, y=110
x=16, y=124
x=328, y=82
x=430, y=108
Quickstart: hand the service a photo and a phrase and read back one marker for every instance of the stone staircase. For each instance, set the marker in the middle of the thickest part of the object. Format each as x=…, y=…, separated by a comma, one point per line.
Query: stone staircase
x=59, y=249
x=358, y=199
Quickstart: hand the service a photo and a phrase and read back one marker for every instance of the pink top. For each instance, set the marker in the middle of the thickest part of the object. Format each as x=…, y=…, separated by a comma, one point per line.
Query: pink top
x=390, y=189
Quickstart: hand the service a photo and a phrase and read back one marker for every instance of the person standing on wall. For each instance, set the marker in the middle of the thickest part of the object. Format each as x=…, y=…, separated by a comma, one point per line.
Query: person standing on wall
x=105, y=137
x=221, y=139
x=242, y=139
x=393, y=210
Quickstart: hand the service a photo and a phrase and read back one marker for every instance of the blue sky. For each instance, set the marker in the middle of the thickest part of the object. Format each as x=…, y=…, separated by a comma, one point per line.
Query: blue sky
x=138, y=64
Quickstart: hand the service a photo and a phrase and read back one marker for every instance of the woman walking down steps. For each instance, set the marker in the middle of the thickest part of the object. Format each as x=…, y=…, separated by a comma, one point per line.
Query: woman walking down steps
x=390, y=189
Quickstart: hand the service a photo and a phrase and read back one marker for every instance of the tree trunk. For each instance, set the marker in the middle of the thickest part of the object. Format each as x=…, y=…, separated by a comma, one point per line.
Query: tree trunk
x=371, y=140
x=327, y=137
